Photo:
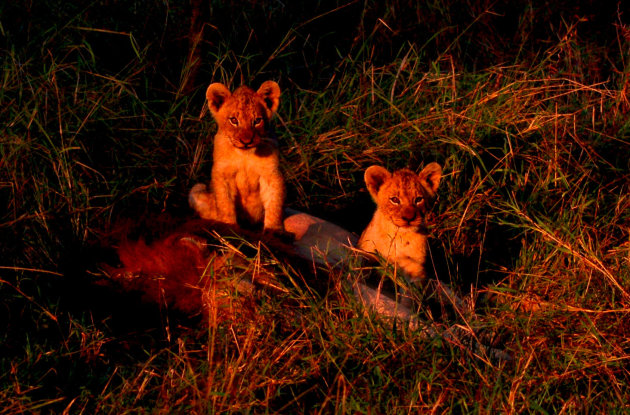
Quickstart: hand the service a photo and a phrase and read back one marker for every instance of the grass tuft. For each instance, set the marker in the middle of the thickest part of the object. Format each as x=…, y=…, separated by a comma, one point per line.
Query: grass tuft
x=526, y=108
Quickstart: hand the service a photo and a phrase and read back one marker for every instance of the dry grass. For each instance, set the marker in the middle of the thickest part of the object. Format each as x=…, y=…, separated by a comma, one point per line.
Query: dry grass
x=531, y=226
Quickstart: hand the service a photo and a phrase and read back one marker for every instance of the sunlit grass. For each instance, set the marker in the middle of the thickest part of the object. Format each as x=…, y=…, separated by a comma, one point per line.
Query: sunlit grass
x=530, y=227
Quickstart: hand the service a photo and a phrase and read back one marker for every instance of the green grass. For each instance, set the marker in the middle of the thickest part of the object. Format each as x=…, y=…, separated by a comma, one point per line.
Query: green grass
x=525, y=107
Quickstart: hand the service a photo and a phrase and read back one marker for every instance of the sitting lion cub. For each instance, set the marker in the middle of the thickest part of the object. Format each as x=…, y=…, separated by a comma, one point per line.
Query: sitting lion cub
x=246, y=184
x=397, y=230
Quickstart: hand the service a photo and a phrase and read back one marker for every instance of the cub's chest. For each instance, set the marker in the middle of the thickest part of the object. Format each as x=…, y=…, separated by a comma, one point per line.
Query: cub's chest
x=247, y=170
x=247, y=180
x=411, y=243
x=398, y=241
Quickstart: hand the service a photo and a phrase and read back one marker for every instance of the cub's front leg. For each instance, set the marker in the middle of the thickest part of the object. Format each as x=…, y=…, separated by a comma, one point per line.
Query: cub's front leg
x=413, y=268
x=224, y=189
x=272, y=194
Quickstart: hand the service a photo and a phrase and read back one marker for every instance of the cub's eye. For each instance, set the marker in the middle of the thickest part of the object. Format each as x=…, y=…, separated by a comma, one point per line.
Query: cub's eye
x=417, y=200
x=233, y=121
x=257, y=121
x=394, y=200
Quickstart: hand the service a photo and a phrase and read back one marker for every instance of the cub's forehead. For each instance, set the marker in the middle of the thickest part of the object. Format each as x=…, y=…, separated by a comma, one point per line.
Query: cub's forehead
x=243, y=91
x=246, y=99
x=403, y=181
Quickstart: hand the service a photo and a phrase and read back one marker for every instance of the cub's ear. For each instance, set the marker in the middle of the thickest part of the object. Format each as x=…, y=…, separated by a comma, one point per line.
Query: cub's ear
x=217, y=94
x=430, y=176
x=374, y=177
x=270, y=92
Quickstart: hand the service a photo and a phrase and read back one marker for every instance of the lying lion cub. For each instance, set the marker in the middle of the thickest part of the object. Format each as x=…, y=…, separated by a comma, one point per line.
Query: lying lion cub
x=397, y=230
x=246, y=185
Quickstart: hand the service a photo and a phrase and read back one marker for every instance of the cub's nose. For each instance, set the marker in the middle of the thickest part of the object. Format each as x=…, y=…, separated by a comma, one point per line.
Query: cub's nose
x=408, y=215
x=247, y=140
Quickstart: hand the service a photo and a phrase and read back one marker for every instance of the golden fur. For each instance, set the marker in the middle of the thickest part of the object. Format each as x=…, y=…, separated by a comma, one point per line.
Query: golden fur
x=246, y=186
x=397, y=230
x=181, y=265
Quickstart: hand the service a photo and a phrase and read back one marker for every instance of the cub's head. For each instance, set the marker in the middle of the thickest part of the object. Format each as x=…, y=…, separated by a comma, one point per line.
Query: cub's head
x=403, y=197
x=243, y=116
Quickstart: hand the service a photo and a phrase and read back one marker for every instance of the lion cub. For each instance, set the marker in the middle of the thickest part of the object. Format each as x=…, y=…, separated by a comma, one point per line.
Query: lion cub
x=397, y=229
x=246, y=184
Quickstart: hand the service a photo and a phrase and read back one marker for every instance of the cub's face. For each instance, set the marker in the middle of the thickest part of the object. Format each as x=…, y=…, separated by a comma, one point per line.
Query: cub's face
x=403, y=197
x=243, y=116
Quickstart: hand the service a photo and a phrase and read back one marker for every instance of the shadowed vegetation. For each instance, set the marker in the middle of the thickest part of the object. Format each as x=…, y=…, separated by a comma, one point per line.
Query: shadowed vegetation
x=524, y=104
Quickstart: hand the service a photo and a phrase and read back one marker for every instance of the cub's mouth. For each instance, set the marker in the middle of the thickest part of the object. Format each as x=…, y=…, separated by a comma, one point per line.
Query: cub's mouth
x=244, y=146
x=245, y=143
x=408, y=224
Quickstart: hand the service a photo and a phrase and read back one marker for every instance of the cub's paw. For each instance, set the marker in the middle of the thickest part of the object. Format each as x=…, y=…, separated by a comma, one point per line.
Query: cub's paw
x=196, y=191
x=202, y=202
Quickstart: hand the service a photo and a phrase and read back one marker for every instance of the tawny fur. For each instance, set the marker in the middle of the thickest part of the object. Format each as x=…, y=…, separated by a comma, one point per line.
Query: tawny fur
x=397, y=230
x=180, y=273
x=185, y=267
x=247, y=186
